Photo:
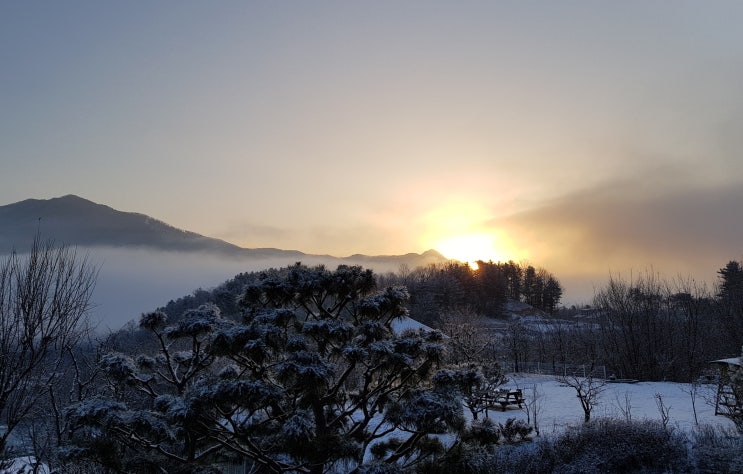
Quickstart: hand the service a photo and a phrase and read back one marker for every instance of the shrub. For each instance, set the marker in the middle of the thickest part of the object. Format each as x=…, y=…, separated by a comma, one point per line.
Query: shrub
x=717, y=451
x=463, y=458
x=484, y=432
x=515, y=431
x=606, y=445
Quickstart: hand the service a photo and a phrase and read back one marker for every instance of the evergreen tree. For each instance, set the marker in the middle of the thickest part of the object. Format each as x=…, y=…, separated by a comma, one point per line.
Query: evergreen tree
x=312, y=379
x=731, y=284
x=492, y=288
x=513, y=275
x=530, y=286
x=551, y=294
x=730, y=298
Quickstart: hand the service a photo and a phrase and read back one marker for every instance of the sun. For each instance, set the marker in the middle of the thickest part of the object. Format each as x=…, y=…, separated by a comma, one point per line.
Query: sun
x=464, y=232
x=470, y=248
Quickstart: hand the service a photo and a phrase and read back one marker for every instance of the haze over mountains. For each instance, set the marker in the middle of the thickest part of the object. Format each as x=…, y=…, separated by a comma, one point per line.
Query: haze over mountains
x=77, y=221
x=145, y=262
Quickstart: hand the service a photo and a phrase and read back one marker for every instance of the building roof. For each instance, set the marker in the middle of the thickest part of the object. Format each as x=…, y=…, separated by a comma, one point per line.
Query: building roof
x=730, y=361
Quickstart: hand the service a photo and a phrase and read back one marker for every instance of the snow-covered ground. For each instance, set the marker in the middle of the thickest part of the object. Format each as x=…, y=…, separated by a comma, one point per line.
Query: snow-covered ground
x=559, y=406
x=24, y=465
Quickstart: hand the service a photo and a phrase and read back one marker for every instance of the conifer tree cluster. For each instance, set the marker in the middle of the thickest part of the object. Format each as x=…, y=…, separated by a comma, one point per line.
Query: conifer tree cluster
x=439, y=289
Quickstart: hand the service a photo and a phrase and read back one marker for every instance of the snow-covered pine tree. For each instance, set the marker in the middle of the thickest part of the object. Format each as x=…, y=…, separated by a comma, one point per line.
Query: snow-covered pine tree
x=144, y=416
x=309, y=380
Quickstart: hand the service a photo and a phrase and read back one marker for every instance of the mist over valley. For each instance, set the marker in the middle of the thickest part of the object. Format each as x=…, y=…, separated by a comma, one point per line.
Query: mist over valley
x=143, y=262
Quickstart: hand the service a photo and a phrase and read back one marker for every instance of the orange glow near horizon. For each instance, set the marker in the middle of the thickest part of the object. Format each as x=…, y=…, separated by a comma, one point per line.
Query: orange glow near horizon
x=469, y=248
x=464, y=232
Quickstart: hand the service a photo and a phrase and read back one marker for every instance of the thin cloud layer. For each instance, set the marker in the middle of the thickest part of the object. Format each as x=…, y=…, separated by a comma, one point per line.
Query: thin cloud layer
x=633, y=225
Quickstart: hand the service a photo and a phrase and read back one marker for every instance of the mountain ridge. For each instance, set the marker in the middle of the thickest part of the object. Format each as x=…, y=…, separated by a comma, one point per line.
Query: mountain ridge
x=76, y=221
x=144, y=262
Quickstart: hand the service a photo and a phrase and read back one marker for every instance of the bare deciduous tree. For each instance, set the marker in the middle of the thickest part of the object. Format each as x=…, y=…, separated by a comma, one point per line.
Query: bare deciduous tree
x=470, y=340
x=588, y=389
x=654, y=329
x=44, y=301
x=663, y=409
x=624, y=406
x=533, y=408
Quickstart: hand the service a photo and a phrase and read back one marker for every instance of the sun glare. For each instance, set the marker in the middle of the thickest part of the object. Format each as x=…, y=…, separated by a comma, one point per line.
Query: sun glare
x=470, y=248
x=462, y=232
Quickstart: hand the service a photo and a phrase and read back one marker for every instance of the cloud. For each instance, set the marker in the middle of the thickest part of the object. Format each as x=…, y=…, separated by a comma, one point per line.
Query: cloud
x=331, y=236
x=249, y=235
x=674, y=227
x=132, y=281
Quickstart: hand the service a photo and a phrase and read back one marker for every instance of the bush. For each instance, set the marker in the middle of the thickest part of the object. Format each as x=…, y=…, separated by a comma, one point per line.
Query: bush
x=475, y=454
x=515, y=431
x=463, y=458
x=717, y=451
x=484, y=432
x=607, y=446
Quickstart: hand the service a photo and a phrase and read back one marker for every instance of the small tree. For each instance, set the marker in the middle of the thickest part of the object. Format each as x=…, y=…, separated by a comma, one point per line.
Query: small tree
x=44, y=301
x=474, y=383
x=693, y=390
x=663, y=409
x=588, y=389
x=312, y=379
x=625, y=406
x=469, y=340
x=471, y=366
x=533, y=408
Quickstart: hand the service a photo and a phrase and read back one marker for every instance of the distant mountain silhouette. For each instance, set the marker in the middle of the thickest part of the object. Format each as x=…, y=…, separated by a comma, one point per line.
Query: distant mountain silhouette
x=145, y=262
x=75, y=221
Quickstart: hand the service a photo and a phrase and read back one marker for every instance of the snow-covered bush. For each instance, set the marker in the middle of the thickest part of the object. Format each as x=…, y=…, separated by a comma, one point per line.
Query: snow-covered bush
x=515, y=431
x=484, y=432
x=474, y=383
x=23, y=465
x=148, y=416
x=717, y=451
x=475, y=451
x=605, y=445
x=463, y=458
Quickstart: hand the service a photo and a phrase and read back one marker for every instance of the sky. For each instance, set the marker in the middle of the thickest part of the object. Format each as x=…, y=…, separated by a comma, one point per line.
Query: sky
x=587, y=137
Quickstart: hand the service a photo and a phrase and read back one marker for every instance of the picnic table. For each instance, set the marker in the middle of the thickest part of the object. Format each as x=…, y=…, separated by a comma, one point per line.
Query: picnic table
x=503, y=397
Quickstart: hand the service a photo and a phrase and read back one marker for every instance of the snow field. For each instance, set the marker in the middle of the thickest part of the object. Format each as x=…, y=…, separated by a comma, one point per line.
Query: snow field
x=559, y=407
